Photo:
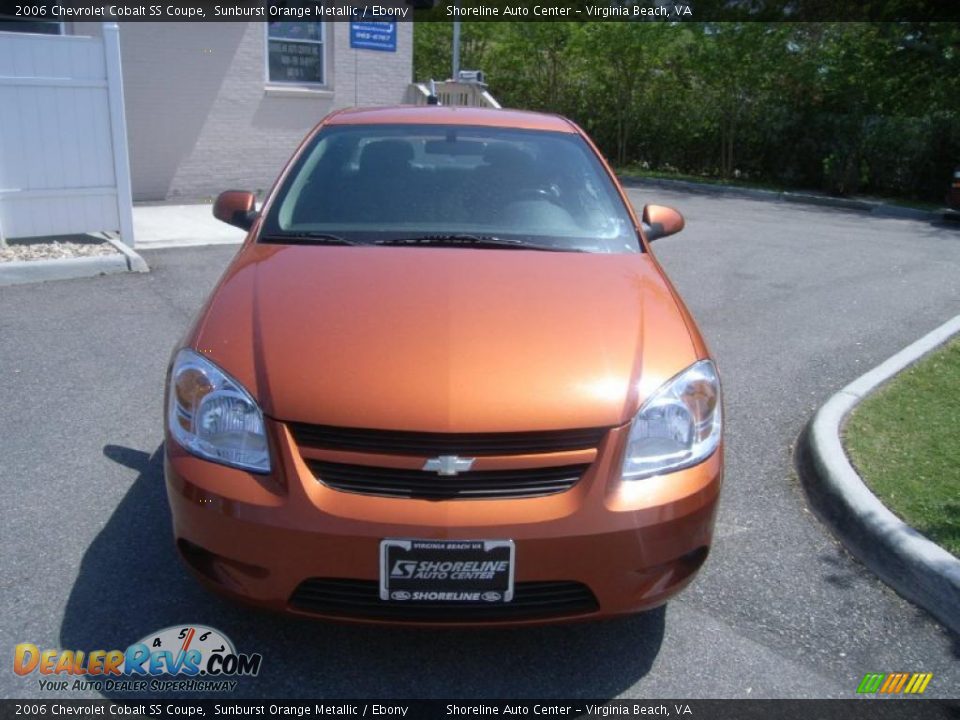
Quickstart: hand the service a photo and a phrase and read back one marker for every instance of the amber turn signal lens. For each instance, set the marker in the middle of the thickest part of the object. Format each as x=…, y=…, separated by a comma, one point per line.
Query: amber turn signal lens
x=190, y=386
x=701, y=397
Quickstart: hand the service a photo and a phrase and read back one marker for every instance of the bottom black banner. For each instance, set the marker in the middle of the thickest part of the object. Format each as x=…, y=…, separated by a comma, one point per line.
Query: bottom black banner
x=892, y=709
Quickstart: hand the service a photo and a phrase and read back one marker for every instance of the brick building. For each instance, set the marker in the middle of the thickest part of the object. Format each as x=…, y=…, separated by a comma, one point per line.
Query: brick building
x=211, y=106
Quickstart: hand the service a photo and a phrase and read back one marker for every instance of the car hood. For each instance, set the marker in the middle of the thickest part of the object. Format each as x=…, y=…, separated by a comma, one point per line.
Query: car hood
x=445, y=339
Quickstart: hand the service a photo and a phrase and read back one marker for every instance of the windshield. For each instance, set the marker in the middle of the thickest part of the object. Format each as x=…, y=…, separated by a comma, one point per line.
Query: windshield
x=425, y=183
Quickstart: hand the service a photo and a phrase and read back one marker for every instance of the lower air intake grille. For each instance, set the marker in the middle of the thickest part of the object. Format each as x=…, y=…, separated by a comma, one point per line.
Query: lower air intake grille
x=361, y=599
x=472, y=485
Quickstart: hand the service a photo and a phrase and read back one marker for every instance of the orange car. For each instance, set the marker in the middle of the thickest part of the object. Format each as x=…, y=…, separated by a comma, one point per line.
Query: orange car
x=444, y=380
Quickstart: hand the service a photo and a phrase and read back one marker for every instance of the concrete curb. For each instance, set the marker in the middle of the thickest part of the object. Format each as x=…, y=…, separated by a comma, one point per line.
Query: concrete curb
x=188, y=242
x=135, y=263
x=874, y=207
x=21, y=272
x=915, y=567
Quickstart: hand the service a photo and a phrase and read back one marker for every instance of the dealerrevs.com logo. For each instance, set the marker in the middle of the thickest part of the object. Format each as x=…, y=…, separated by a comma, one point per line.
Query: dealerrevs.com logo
x=201, y=658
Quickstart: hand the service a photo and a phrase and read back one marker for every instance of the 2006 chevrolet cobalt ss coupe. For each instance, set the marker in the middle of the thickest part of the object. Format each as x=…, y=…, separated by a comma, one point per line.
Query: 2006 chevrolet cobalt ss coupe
x=444, y=380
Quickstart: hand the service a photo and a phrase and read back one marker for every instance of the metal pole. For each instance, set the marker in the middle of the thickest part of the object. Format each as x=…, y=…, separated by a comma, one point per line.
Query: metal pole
x=456, y=48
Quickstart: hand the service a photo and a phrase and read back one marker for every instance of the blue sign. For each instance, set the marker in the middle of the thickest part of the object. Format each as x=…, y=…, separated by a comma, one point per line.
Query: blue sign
x=374, y=36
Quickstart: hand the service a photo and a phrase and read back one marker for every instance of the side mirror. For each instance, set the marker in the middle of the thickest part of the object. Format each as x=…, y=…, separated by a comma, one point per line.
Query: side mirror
x=661, y=221
x=236, y=207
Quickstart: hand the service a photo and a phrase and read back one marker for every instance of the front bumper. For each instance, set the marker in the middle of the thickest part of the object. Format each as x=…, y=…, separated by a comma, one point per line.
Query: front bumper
x=269, y=539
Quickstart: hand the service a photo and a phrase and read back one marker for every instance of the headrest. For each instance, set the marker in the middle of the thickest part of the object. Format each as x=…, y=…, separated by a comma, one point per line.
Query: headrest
x=508, y=158
x=385, y=156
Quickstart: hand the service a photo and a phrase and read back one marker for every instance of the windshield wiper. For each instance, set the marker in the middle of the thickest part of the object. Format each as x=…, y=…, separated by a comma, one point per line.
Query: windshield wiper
x=308, y=238
x=474, y=241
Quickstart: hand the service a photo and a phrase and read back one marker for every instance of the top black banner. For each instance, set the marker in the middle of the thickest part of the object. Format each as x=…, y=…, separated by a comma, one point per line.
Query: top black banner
x=33, y=11
x=358, y=709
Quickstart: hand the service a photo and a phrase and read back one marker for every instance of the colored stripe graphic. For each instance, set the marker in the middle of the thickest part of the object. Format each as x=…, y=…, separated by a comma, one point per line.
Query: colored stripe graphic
x=870, y=683
x=894, y=683
x=918, y=683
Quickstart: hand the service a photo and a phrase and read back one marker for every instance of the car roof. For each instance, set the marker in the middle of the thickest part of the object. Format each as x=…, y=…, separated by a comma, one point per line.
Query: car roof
x=442, y=115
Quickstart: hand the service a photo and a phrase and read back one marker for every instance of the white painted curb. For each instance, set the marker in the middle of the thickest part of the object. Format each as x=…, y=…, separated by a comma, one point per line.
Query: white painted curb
x=915, y=567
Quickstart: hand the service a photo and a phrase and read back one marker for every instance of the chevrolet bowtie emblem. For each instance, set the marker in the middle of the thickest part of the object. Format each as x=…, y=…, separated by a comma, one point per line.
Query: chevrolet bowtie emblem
x=448, y=464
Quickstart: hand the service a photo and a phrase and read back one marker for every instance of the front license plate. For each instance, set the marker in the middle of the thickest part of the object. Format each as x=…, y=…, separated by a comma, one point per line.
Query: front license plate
x=446, y=570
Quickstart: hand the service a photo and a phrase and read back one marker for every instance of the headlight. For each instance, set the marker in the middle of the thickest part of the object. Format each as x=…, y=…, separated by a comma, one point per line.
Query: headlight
x=678, y=426
x=212, y=416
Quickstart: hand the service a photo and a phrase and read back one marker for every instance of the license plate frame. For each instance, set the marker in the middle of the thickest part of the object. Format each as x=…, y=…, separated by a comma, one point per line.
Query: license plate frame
x=407, y=576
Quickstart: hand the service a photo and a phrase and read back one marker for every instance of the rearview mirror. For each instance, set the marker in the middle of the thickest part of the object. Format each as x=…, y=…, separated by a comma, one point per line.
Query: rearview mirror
x=661, y=221
x=236, y=207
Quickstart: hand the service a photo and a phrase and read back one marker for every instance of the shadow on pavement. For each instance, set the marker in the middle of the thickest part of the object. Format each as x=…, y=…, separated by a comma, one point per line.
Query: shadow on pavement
x=131, y=583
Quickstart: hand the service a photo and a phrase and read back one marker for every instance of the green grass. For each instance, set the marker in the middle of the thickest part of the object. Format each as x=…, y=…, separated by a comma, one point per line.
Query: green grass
x=905, y=442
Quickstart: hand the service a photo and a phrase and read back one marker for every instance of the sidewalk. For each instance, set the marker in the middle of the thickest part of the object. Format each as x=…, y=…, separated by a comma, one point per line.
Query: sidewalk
x=158, y=226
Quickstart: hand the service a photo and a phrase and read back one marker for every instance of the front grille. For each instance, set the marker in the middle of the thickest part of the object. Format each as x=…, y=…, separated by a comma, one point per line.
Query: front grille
x=391, y=442
x=471, y=485
x=361, y=599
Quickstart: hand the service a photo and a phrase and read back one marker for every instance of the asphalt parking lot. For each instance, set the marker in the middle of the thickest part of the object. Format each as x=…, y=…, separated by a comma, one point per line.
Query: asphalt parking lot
x=795, y=302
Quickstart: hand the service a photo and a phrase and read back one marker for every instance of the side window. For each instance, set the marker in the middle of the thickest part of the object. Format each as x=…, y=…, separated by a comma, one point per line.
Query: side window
x=295, y=53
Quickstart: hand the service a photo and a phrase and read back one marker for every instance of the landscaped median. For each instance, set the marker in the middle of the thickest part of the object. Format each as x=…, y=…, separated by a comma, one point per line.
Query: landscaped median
x=903, y=437
x=903, y=442
x=65, y=257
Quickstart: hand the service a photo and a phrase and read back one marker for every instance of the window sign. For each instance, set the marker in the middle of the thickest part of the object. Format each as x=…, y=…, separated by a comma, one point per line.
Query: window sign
x=295, y=52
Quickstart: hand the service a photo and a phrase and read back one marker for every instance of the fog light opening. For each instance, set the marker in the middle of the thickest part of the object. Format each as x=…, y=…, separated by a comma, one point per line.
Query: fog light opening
x=216, y=568
x=676, y=571
x=694, y=559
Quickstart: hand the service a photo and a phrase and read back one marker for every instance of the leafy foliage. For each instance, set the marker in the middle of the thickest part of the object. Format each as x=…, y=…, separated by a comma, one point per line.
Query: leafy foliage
x=841, y=107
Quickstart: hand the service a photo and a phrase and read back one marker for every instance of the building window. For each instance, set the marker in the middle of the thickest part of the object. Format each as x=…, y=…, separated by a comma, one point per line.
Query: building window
x=295, y=53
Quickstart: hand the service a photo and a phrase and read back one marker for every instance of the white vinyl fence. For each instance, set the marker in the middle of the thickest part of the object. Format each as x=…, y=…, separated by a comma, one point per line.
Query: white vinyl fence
x=64, y=167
